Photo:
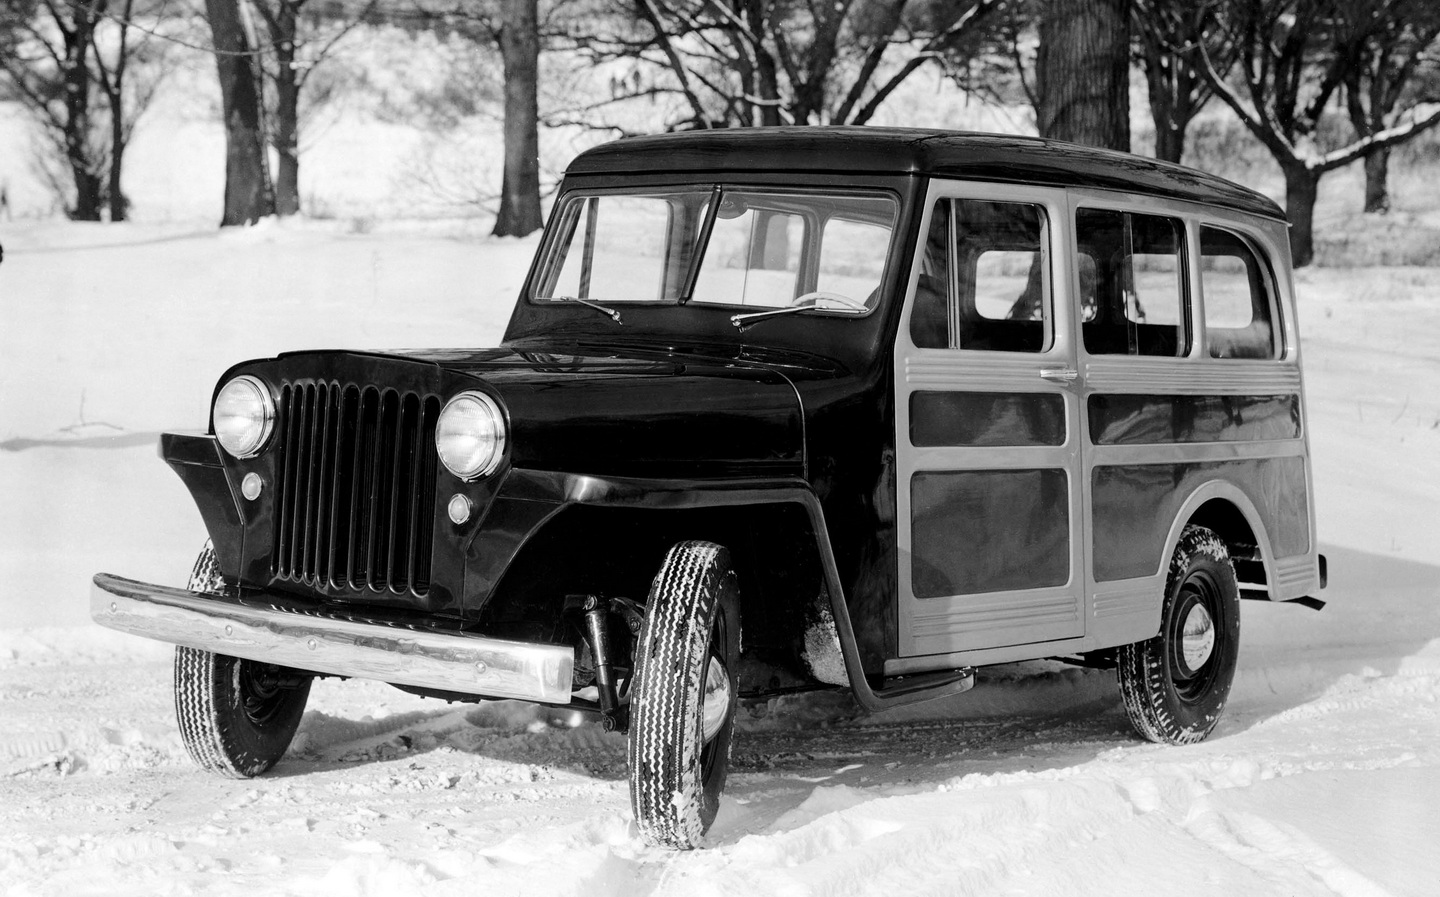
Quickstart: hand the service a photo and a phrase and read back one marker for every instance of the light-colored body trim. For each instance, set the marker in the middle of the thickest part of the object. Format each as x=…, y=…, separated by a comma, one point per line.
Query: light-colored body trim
x=465, y=664
x=973, y=630
x=946, y=624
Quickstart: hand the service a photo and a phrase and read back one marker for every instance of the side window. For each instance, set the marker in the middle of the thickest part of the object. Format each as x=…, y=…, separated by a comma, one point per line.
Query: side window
x=984, y=278
x=1132, y=283
x=1239, y=298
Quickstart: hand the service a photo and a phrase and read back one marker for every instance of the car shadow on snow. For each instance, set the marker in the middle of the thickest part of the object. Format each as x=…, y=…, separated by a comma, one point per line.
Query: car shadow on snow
x=501, y=733
x=1381, y=617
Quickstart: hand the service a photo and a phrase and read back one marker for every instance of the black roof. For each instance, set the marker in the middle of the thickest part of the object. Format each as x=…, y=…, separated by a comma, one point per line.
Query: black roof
x=913, y=151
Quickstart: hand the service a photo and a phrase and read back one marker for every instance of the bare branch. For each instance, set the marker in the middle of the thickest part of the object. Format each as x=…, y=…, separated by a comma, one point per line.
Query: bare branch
x=1380, y=140
x=652, y=15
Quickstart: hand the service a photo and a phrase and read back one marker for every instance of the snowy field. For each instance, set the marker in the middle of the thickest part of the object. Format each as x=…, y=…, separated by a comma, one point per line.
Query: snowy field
x=1323, y=778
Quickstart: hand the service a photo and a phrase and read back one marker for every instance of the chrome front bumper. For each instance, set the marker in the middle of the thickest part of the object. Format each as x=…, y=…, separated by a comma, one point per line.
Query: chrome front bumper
x=460, y=663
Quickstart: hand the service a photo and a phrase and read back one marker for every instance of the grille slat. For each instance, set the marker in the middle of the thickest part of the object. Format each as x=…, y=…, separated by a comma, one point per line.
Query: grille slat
x=305, y=492
x=355, y=488
x=352, y=562
x=329, y=427
x=412, y=529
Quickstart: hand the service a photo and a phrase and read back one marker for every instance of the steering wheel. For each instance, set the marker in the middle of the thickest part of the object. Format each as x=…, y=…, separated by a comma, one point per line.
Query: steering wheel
x=815, y=297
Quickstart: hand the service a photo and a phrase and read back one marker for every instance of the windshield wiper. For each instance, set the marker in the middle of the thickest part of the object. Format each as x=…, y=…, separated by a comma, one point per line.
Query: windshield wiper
x=805, y=302
x=614, y=315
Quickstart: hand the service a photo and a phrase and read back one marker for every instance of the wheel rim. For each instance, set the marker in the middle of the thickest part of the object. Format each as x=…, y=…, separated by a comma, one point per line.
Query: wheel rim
x=715, y=700
x=1197, y=639
x=1193, y=636
x=261, y=694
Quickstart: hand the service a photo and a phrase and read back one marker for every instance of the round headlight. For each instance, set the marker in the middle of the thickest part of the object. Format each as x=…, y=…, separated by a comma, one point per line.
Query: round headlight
x=244, y=416
x=470, y=435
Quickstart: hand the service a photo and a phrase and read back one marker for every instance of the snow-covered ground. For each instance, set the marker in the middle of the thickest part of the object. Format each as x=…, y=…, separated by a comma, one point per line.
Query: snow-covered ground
x=1323, y=778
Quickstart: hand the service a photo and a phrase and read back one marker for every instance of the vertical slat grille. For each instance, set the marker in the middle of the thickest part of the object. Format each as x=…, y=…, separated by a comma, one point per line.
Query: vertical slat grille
x=355, y=484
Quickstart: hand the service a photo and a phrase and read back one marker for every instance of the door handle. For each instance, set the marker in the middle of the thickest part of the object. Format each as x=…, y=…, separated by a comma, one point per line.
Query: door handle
x=1059, y=375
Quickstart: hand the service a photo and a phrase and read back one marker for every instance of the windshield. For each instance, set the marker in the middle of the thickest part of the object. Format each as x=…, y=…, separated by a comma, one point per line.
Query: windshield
x=722, y=246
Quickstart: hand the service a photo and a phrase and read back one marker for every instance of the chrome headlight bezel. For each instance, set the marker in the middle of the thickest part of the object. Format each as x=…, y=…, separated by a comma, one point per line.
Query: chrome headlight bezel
x=474, y=417
x=258, y=425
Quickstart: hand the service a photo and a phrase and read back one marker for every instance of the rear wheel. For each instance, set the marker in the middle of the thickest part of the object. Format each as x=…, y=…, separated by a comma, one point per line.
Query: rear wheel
x=1176, y=684
x=682, y=710
x=236, y=716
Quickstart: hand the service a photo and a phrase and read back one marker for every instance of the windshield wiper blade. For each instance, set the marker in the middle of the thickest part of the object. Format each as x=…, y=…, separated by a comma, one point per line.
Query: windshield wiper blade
x=614, y=315
x=808, y=302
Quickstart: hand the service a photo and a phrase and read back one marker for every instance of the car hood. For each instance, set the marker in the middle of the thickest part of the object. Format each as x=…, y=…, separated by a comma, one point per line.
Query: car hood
x=610, y=414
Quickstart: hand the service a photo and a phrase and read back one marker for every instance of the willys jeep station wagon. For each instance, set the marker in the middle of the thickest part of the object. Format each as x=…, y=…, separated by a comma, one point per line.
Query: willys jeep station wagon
x=777, y=409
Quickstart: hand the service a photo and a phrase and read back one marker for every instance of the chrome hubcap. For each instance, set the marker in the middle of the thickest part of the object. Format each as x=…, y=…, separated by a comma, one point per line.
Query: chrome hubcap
x=716, y=700
x=1197, y=639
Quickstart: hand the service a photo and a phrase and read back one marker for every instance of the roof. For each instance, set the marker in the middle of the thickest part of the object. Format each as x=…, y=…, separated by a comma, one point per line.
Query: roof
x=913, y=151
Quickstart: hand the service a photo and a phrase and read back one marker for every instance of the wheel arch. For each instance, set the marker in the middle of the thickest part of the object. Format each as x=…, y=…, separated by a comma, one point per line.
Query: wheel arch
x=1225, y=509
x=617, y=549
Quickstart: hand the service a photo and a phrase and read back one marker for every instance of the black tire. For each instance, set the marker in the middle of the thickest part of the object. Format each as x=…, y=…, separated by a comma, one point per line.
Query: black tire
x=1175, y=685
x=688, y=651
x=236, y=716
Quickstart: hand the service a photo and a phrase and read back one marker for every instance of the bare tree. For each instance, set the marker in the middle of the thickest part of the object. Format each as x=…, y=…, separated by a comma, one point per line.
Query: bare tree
x=46, y=59
x=296, y=46
x=129, y=66
x=1169, y=35
x=248, y=194
x=770, y=62
x=1291, y=66
x=1396, y=47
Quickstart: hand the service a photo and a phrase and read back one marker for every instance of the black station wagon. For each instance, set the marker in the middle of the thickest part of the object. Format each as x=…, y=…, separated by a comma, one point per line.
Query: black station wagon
x=777, y=409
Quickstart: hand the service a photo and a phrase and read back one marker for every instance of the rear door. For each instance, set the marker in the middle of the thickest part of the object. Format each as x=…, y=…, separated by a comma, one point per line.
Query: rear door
x=988, y=428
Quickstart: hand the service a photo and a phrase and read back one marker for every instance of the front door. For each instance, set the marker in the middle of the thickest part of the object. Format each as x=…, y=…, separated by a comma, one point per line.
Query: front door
x=988, y=427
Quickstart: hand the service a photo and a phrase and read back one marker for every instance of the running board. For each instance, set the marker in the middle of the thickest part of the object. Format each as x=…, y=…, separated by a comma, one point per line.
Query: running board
x=897, y=691
x=1260, y=593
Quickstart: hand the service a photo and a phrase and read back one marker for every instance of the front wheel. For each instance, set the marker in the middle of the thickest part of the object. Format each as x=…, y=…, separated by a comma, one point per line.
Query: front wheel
x=1175, y=685
x=682, y=710
x=236, y=716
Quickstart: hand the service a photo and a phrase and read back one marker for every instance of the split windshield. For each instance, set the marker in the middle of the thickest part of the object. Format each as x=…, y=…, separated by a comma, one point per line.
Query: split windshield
x=728, y=246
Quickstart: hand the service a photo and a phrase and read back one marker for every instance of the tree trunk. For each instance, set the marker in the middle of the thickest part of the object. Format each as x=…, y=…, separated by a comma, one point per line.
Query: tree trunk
x=1162, y=87
x=119, y=205
x=112, y=84
x=286, y=139
x=1302, y=185
x=248, y=196
x=1082, y=72
x=89, y=195
x=767, y=77
x=1171, y=108
x=1169, y=140
x=520, y=188
x=1377, y=182
x=89, y=186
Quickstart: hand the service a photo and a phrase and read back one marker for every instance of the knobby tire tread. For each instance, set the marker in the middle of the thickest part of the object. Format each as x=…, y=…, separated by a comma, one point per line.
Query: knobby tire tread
x=207, y=703
x=1142, y=671
x=668, y=794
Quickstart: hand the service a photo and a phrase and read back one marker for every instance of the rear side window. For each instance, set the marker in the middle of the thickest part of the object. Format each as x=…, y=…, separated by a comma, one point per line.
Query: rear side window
x=1132, y=283
x=984, y=278
x=1239, y=298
